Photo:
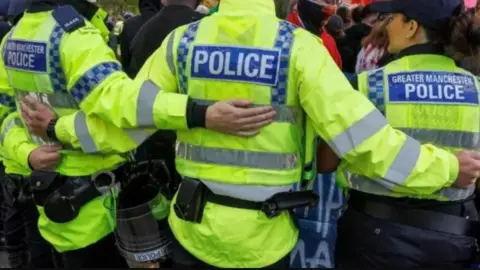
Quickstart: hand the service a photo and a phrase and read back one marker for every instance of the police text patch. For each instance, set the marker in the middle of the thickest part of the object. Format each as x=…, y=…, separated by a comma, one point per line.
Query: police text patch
x=243, y=64
x=432, y=87
x=26, y=55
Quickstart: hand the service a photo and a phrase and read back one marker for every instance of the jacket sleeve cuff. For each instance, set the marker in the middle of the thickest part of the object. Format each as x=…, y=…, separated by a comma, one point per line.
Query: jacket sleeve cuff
x=170, y=111
x=24, y=151
x=196, y=114
x=61, y=131
x=454, y=170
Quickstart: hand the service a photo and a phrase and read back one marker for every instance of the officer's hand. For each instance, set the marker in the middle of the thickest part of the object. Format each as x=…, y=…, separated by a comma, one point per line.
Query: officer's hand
x=469, y=169
x=44, y=157
x=37, y=116
x=237, y=117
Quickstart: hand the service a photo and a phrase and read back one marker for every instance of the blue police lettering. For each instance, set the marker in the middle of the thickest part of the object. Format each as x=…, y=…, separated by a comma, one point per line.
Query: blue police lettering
x=242, y=64
x=432, y=87
x=25, y=55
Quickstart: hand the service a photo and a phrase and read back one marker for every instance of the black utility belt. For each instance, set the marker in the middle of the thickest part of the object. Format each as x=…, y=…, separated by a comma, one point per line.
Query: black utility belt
x=62, y=197
x=18, y=188
x=193, y=195
x=419, y=218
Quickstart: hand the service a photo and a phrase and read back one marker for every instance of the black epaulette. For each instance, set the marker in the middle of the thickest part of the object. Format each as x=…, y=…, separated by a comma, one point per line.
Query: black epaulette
x=68, y=18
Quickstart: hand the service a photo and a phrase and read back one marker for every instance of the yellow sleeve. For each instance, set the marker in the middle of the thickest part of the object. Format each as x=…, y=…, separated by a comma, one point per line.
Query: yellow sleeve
x=7, y=101
x=163, y=59
x=358, y=132
x=97, y=83
x=14, y=140
x=92, y=134
x=16, y=145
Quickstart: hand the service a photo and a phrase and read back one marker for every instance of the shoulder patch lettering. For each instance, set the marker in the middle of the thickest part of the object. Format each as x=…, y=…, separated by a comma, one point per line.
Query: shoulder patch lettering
x=445, y=88
x=68, y=18
x=26, y=55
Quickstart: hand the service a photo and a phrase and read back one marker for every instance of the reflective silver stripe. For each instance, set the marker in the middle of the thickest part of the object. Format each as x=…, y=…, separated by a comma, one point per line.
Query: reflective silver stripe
x=381, y=188
x=398, y=172
x=446, y=138
x=145, y=102
x=137, y=135
x=81, y=131
x=455, y=194
x=240, y=158
x=9, y=125
x=170, y=60
x=358, y=133
x=283, y=113
x=404, y=162
x=254, y=193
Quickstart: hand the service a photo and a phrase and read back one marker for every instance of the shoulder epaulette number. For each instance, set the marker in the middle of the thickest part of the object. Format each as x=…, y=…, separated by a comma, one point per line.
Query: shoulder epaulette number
x=68, y=18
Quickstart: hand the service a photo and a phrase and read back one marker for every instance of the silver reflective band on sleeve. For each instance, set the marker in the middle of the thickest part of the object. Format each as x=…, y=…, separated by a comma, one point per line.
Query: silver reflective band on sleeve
x=358, y=133
x=284, y=114
x=170, y=60
x=446, y=138
x=9, y=125
x=137, y=135
x=240, y=158
x=81, y=131
x=456, y=194
x=254, y=193
x=370, y=186
x=404, y=162
x=145, y=102
x=397, y=173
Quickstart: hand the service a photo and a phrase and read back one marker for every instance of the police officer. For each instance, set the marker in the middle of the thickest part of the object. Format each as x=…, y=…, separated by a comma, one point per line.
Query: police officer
x=114, y=40
x=43, y=60
x=430, y=223
x=24, y=244
x=229, y=210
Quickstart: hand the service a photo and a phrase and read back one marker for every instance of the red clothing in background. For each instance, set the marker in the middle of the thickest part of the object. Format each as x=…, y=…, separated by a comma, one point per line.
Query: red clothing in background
x=361, y=2
x=328, y=40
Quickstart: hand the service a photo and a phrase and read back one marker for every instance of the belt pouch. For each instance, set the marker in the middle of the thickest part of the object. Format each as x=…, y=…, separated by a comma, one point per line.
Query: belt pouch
x=43, y=184
x=191, y=200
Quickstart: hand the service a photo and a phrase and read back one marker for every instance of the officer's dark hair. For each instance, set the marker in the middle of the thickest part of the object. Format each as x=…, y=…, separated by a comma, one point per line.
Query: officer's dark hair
x=460, y=37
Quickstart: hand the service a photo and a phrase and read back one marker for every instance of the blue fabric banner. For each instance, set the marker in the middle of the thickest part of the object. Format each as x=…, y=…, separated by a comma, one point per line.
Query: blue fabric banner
x=318, y=226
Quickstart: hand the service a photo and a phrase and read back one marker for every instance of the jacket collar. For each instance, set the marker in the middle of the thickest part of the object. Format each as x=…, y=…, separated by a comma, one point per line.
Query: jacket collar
x=247, y=7
x=427, y=48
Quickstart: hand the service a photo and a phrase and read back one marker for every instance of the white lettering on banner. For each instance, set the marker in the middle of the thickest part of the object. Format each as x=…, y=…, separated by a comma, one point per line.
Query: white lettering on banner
x=322, y=257
x=432, y=87
x=242, y=64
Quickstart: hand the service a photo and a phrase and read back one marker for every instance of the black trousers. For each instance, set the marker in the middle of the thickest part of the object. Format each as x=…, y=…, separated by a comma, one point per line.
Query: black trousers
x=365, y=241
x=183, y=259
x=2, y=207
x=24, y=244
x=102, y=254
